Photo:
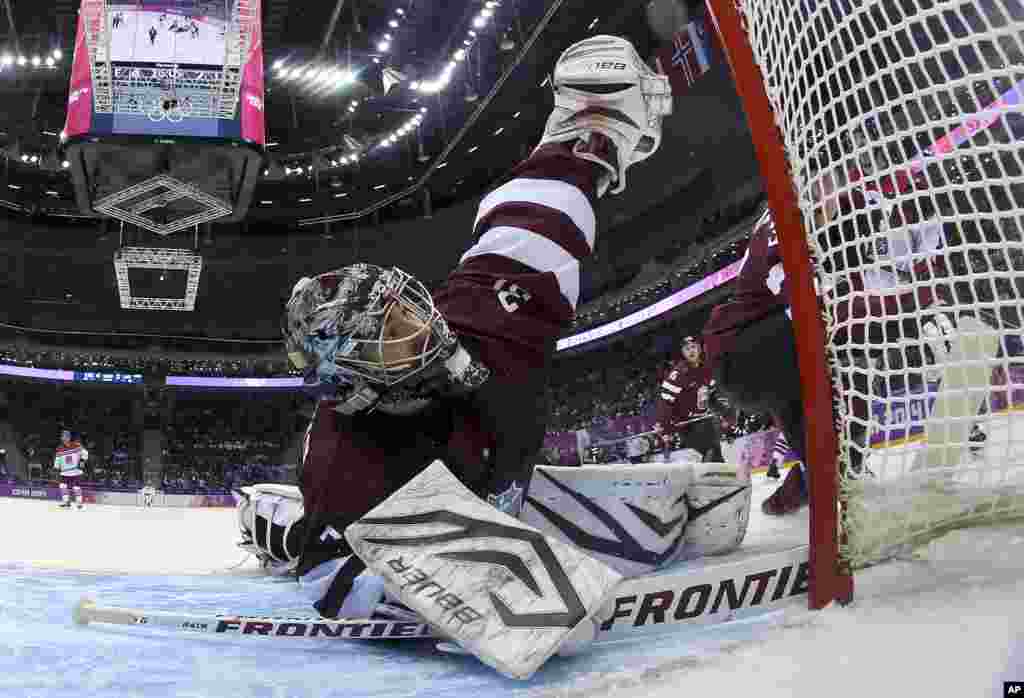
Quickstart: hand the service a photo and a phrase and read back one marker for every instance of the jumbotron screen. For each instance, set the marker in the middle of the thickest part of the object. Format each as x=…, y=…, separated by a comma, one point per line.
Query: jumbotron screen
x=162, y=49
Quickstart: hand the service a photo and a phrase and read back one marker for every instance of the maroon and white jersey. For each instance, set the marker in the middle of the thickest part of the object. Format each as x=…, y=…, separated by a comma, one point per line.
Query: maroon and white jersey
x=515, y=290
x=683, y=393
x=508, y=300
x=758, y=291
x=874, y=293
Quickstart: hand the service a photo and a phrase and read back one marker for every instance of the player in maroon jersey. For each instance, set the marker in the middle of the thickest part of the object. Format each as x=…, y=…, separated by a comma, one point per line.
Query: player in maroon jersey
x=409, y=377
x=752, y=350
x=683, y=408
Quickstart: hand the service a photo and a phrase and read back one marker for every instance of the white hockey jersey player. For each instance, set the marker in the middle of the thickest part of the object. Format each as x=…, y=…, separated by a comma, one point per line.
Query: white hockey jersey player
x=68, y=462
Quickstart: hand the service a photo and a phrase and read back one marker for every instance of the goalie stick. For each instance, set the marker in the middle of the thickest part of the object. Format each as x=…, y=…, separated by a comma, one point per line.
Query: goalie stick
x=690, y=595
x=86, y=612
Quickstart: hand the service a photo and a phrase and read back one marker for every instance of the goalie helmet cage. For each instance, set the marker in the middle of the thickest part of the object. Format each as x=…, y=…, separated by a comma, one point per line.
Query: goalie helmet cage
x=891, y=90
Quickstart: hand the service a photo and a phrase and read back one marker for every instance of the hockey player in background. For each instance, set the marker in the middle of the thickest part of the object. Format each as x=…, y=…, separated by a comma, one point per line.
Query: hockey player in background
x=70, y=458
x=683, y=408
x=407, y=377
x=869, y=249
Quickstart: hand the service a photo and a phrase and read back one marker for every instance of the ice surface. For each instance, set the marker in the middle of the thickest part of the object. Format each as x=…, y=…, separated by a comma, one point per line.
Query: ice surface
x=949, y=622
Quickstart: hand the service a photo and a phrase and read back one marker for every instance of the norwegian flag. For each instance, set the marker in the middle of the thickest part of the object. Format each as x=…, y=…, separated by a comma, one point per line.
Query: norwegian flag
x=687, y=58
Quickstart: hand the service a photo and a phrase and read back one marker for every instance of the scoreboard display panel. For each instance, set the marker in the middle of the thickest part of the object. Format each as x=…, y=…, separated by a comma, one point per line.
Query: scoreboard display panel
x=166, y=62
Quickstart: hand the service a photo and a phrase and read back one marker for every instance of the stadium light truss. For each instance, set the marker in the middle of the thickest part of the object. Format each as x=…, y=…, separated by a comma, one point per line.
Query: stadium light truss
x=157, y=258
x=134, y=203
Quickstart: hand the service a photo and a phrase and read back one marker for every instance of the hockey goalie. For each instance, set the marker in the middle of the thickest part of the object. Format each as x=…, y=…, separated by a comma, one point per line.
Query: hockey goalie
x=415, y=491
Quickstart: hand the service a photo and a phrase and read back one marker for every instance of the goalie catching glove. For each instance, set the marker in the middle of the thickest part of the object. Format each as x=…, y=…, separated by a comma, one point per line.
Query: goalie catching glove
x=601, y=85
x=270, y=518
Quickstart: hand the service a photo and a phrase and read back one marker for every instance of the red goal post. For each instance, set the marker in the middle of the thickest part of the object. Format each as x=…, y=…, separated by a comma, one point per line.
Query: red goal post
x=905, y=106
x=828, y=581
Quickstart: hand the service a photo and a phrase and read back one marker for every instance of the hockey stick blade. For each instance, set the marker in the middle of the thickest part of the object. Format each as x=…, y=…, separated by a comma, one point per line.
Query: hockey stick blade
x=86, y=612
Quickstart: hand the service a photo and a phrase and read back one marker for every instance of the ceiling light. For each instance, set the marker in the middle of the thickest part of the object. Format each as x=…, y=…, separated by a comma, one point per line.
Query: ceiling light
x=414, y=85
x=65, y=164
x=498, y=132
x=52, y=193
x=479, y=22
x=592, y=24
x=399, y=11
x=284, y=73
x=393, y=23
x=278, y=64
x=383, y=46
x=309, y=168
x=299, y=73
x=376, y=60
x=13, y=186
x=460, y=54
x=50, y=62
x=340, y=195
x=22, y=60
x=304, y=200
x=516, y=115
x=265, y=202
x=57, y=54
x=423, y=110
x=354, y=103
x=471, y=33
x=387, y=37
x=24, y=158
x=35, y=159
x=467, y=42
x=7, y=59
x=443, y=164
x=487, y=12
x=36, y=60
x=384, y=143
x=380, y=186
x=450, y=67
x=490, y=4
x=473, y=149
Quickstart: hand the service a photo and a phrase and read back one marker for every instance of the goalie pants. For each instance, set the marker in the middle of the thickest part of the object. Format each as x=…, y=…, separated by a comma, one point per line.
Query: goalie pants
x=761, y=375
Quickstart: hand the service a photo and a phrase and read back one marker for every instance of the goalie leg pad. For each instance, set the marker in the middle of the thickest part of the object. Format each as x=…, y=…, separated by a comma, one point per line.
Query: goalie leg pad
x=632, y=518
x=719, y=508
x=502, y=590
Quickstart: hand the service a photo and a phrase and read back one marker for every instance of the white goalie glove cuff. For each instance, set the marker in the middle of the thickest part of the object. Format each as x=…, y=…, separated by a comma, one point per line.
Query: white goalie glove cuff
x=601, y=85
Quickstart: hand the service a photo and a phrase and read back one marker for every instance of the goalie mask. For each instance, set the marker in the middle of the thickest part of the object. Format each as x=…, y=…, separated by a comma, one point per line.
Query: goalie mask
x=361, y=330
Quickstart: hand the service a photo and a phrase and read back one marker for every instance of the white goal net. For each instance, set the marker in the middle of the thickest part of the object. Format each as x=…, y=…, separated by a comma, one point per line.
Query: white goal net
x=901, y=124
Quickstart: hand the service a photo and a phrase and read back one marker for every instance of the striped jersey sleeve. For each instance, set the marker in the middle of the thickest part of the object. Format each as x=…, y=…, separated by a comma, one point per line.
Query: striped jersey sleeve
x=515, y=290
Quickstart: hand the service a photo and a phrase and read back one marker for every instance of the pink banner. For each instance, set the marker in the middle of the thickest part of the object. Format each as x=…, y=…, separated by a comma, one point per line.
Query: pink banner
x=253, y=121
x=79, y=115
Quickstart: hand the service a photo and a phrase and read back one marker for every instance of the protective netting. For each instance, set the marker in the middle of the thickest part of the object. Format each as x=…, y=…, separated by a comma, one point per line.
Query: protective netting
x=900, y=121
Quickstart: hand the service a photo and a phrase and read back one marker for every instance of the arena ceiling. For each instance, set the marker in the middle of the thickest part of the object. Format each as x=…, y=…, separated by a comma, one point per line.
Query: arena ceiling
x=60, y=273
x=365, y=68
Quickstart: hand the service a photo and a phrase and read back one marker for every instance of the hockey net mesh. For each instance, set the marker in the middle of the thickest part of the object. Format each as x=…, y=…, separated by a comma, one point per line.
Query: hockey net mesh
x=901, y=121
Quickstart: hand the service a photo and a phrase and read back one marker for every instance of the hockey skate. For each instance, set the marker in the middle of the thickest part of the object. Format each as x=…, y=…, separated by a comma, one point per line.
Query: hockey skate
x=773, y=471
x=790, y=497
